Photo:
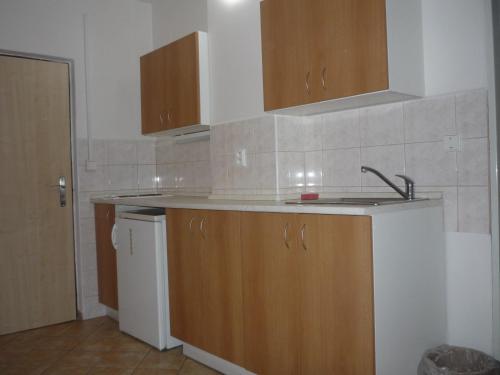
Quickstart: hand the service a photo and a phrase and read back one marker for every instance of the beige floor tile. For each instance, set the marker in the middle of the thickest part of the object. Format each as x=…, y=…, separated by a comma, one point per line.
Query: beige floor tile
x=13, y=370
x=191, y=367
x=62, y=343
x=111, y=371
x=154, y=371
x=66, y=370
x=34, y=358
x=102, y=359
x=119, y=343
x=169, y=360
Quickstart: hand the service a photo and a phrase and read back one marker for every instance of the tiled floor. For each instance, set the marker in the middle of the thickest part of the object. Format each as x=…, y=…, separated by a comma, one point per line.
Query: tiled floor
x=89, y=347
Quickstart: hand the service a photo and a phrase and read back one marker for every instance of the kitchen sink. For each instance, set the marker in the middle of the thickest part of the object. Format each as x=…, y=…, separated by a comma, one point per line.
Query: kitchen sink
x=354, y=201
x=141, y=195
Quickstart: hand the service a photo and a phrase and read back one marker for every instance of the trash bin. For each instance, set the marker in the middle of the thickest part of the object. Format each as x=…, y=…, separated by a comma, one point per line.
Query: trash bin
x=454, y=360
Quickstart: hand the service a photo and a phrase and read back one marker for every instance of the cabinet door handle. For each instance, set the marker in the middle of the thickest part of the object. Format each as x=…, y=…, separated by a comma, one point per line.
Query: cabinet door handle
x=161, y=119
x=302, y=236
x=323, y=78
x=308, y=89
x=285, y=236
x=201, y=227
x=131, y=246
x=169, y=118
x=190, y=225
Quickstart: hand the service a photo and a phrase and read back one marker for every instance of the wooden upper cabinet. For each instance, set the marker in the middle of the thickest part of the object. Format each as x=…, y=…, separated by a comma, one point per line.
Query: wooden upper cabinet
x=152, y=91
x=174, y=85
x=318, y=51
x=106, y=255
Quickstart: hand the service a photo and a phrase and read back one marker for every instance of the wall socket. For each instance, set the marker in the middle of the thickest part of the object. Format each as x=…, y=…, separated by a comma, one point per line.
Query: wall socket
x=452, y=143
x=241, y=158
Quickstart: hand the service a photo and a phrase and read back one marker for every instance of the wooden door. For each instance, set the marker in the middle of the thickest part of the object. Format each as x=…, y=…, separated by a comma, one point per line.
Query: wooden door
x=37, y=269
x=348, y=47
x=336, y=289
x=183, y=83
x=153, y=107
x=185, y=275
x=223, y=300
x=271, y=293
x=287, y=74
x=106, y=255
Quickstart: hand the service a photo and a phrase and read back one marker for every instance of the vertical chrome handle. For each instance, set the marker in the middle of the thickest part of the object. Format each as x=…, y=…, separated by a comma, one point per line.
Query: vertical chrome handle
x=308, y=89
x=201, y=227
x=62, y=191
x=323, y=78
x=190, y=225
x=302, y=236
x=285, y=236
x=131, y=246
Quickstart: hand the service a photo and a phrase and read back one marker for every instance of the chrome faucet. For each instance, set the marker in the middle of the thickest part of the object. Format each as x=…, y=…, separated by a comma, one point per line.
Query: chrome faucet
x=409, y=194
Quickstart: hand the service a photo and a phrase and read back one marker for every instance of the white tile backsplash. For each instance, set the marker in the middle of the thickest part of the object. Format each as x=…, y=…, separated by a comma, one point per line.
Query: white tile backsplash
x=473, y=209
x=472, y=114
x=473, y=162
x=340, y=129
x=398, y=138
x=430, y=164
x=342, y=167
x=429, y=119
x=382, y=125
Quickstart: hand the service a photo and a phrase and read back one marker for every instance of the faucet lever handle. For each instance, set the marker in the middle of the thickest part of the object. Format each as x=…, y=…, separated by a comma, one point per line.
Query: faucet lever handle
x=410, y=186
x=407, y=179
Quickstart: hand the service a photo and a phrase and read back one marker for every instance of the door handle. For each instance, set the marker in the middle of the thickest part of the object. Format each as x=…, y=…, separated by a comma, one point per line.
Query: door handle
x=303, y=237
x=285, y=236
x=62, y=190
x=203, y=234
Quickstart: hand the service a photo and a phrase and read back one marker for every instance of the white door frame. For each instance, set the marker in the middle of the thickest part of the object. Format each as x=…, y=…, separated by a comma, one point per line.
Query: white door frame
x=74, y=172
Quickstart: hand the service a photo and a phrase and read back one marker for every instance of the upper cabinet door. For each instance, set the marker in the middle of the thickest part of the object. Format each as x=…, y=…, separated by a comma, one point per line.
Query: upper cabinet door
x=315, y=52
x=183, y=86
x=152, y=92
x=174, y=85
x=286, y=68
x=351, y=47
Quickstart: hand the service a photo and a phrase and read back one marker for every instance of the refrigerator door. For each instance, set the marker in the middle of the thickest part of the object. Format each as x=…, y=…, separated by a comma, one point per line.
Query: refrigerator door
x=141, y=293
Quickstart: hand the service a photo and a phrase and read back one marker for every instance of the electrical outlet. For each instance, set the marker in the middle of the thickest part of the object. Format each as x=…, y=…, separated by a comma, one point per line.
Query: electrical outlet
x=91, y=165
x=241, y=158
x=452, y=143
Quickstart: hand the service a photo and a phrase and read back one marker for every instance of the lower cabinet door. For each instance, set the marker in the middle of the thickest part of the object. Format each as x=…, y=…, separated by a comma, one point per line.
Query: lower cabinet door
x=204, y=271
x=271, y=293
x=107, y=281
x=308, y=294
x=187, y=318
x=223, y=300
x=336, y=289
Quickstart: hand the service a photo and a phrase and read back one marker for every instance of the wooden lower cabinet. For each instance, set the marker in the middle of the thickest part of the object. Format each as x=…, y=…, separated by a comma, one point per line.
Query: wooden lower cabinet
x=204, y=270
x=274, y=293
x=308, y=294
x=106, y=255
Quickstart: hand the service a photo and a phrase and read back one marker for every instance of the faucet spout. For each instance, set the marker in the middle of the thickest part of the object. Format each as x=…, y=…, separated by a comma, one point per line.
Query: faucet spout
x=409, y=194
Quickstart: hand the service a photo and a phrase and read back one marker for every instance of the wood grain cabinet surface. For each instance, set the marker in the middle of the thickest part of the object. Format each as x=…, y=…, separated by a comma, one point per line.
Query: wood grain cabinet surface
x=308, y=294
x=173, y=85
x=315, y=51
x=106, y=255
x=274, y=293
x=204, y=270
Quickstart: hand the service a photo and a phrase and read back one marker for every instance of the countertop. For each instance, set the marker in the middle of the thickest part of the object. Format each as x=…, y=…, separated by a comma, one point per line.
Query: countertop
x=205, y=203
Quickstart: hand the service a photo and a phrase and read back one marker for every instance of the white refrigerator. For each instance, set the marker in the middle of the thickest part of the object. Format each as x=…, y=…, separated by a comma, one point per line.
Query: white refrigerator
x=142, y=277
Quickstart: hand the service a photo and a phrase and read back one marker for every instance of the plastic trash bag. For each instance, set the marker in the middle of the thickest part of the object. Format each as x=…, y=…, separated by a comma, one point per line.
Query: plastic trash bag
x=454, y=360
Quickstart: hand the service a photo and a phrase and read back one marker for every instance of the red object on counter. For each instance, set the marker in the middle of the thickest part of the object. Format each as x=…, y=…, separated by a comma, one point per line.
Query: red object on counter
x=309, y=196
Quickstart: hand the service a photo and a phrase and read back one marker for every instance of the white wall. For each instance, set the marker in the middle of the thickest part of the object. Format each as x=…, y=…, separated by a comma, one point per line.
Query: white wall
x=172, y=19
x=455, y=50
x=235, y=60
x=469, y=293
x=119, y=32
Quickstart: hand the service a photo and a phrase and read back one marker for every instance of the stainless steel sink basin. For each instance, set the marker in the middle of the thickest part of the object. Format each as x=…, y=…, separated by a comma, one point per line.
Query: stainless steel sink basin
x=141, y=195
x=355, y=201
